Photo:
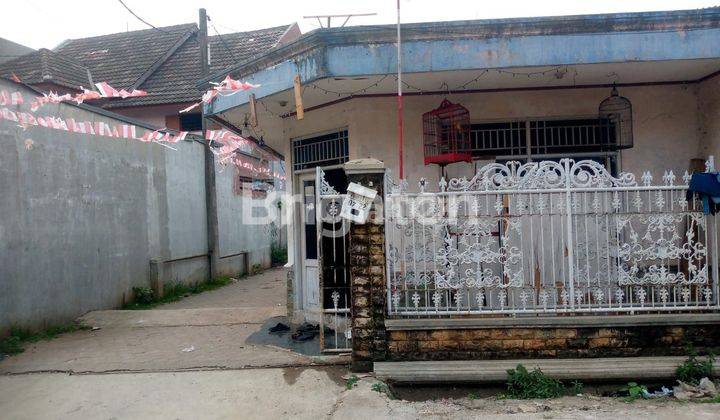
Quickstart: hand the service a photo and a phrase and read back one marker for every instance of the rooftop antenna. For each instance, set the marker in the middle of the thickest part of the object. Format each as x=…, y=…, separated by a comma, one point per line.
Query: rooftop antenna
x=328, y=18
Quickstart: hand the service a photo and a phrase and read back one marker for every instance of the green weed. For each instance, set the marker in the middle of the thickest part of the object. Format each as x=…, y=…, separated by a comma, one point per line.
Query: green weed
x=256, y=269
x=173, y=293
x=523, y=384
x=278, y=255
x=382, y=388
x=351, y=382
x=692, y=370
x=634, y=391
x=13, y=343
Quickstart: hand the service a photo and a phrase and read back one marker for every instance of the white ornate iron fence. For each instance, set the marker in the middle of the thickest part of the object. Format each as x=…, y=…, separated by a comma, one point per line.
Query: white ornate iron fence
x=549, y=237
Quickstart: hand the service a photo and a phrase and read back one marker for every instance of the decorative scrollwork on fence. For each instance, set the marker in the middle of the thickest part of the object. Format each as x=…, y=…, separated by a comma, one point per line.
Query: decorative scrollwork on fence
x=548, y=236
x=539, y=176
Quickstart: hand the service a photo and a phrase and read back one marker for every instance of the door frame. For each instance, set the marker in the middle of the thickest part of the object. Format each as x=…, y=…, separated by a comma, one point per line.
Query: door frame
x=311, y=312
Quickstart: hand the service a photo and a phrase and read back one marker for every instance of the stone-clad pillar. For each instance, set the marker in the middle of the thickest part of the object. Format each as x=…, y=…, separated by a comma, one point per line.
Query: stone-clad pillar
x=367, y=271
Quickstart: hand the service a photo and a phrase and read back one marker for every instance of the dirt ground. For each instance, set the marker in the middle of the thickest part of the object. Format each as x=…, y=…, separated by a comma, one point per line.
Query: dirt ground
x=207, y=356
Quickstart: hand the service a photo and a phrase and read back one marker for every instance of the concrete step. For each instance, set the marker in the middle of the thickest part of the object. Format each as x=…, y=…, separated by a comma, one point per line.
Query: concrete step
x=161, y=317
x=494, y=371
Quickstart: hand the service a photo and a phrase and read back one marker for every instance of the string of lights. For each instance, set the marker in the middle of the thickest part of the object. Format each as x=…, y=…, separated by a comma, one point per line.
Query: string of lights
x=558, y=71
x=352, y=93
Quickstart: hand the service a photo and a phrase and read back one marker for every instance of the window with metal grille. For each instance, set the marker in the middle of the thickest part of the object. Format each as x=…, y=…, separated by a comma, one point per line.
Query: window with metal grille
x=538, y=138
x=323, y=150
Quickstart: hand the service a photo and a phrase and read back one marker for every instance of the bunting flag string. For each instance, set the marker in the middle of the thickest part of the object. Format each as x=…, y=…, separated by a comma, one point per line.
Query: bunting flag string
x=127, y=131
x=227, y=87
x=229, y=141
x=104, y=91
x=14, y=98
x=229, y=144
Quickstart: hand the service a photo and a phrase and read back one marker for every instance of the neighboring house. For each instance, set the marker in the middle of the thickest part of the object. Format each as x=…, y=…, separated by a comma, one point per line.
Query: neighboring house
x=10, y=50
x=533, y=88
x=164, y=62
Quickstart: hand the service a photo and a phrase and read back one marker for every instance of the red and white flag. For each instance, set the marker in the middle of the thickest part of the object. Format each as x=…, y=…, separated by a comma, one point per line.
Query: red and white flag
x=107, y=91
x=127, y=131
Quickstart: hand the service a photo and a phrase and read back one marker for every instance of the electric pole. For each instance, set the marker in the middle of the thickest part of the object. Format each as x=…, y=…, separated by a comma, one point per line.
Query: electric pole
x=210, y=191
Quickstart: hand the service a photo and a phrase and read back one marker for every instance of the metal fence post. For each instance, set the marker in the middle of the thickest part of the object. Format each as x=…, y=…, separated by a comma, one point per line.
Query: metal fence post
x=714, y=233
x=386, y=219
x=569, y=241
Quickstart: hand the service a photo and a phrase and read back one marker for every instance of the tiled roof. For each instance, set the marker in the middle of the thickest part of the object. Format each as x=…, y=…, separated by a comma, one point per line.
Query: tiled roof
x=10, y=50
x=125, y=58
x=174, y=81
x=45, y=66
x=120, y=59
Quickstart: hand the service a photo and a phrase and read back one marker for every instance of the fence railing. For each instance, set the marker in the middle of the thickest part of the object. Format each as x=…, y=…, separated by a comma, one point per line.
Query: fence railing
x=549, y=237
x=334, y=271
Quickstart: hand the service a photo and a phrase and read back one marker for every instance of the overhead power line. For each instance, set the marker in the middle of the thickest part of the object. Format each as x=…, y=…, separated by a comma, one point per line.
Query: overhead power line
x=139, y=18
x=227, y=47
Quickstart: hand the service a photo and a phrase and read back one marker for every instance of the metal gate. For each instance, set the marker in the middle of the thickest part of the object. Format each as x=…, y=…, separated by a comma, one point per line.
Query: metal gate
x=334, y=272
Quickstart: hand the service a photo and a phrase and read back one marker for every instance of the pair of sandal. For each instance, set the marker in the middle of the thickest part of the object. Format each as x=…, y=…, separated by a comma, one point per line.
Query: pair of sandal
x=306, y=332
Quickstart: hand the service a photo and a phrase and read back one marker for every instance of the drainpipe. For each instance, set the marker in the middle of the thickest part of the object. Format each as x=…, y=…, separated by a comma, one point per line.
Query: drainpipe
x=210, y=192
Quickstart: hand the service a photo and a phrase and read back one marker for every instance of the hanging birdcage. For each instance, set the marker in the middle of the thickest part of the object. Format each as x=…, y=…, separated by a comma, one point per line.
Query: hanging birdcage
x=616, y=112
x=446, y=134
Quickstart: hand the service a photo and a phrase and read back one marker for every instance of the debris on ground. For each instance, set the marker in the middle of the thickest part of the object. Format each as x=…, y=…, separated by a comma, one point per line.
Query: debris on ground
x=705, y=389
x=661, y=393
x=359, y=375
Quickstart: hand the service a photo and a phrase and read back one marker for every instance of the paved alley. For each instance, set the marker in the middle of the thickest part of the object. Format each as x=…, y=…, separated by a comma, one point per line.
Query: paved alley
x=134, y=367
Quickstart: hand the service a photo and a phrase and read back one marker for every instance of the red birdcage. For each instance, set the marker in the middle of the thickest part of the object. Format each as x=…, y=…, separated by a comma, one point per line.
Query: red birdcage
x=446, y=134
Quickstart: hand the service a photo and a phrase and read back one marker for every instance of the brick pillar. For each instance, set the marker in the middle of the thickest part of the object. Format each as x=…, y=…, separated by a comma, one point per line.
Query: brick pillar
x=367, y=272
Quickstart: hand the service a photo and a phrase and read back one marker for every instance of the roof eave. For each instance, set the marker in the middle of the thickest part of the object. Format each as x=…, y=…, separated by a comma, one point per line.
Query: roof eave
x=506, y=28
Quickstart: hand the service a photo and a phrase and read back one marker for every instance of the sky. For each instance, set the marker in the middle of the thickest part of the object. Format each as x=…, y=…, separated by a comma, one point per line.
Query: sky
x=46, y=23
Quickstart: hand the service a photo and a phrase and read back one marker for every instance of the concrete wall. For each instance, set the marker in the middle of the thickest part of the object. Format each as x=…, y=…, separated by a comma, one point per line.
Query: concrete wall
x=82, y=216
x=666, y=124
x=709, y=116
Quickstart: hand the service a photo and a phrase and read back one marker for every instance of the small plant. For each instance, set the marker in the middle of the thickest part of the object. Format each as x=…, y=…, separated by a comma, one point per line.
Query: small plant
x=143, y=295
x=256, y=269
x=382, y=388
x=526, y=385
x=351, y=382
x=278, y=255
x=693, y=370
x=472, y=396
x=576, y=387
x=635, y=391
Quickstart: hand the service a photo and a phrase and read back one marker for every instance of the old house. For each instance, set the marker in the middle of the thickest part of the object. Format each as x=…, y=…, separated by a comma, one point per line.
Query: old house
x=164, y=62
x=543, y=238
